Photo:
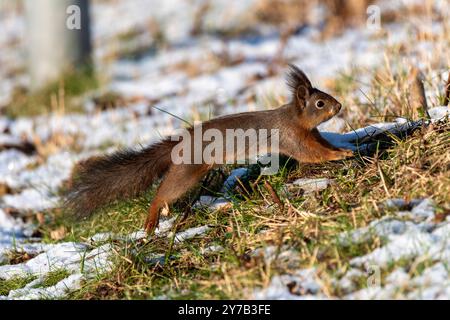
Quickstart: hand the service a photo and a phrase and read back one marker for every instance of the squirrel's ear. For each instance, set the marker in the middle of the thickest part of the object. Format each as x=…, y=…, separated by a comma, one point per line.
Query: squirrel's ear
x=299, y=84
x=296, y=78
x=300, y=97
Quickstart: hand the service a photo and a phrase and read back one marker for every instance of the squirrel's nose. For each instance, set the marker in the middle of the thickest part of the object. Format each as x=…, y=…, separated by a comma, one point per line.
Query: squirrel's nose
x=338, y=107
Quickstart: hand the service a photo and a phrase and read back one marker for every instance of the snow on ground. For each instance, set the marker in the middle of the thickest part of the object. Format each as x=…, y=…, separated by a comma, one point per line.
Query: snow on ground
x=82, y=260
x=409, y=235
x=302, y=285
x=35, y=181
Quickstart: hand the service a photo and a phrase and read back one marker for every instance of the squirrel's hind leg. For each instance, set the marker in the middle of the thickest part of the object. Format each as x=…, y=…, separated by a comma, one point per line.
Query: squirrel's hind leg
x=178, y=180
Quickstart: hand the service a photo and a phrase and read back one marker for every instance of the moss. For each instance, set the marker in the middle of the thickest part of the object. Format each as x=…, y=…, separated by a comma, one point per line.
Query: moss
x=15, y=283
x=53, y=277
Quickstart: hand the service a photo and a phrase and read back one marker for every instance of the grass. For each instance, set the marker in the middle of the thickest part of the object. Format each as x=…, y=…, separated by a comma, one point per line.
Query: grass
x=61, y=96
x=309, y=224
x=53, y=277
x=265, y=213
x=50, y=279
x=14, y=283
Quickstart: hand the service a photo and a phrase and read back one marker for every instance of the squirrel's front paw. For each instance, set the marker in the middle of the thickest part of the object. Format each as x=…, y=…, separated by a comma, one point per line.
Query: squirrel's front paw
x=344, y=153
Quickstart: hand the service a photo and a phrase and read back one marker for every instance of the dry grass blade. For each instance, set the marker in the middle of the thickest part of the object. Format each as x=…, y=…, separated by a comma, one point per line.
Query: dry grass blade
x=447, y=91
x=417, y=98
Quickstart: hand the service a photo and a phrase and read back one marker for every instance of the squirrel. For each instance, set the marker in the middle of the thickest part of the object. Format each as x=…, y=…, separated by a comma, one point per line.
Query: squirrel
x=128, y=173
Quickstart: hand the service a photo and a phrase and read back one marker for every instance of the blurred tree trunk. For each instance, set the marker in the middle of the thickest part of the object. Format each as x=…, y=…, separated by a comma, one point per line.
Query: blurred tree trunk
x=344, y=13
x=58, y=34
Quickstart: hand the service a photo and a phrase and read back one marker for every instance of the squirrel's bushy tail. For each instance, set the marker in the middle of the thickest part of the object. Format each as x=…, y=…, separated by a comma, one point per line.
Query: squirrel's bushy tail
x=121, y=175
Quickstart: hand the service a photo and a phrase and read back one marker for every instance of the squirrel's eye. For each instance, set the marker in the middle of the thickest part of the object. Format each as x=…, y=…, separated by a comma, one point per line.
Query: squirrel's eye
x=320, y=104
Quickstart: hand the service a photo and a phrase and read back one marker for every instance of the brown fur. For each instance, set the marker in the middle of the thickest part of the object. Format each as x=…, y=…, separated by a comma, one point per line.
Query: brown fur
x=125, y=174
x=128, y=173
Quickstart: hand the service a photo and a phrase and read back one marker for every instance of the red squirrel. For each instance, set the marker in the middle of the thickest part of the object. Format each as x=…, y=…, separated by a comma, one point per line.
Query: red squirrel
x=128, y=173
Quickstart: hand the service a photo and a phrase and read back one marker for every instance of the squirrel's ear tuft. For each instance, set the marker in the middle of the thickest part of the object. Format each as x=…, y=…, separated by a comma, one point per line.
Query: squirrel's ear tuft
x=299, y=84
x=296, y=78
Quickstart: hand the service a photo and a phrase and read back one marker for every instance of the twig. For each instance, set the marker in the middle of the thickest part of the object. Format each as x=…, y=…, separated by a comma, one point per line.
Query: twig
x=418, y=99
x=273, y=194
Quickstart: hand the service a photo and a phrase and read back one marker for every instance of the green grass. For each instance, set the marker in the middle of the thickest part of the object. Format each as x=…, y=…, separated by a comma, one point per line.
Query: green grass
x=50, y=279
x=15, y=283
x=53, y=277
